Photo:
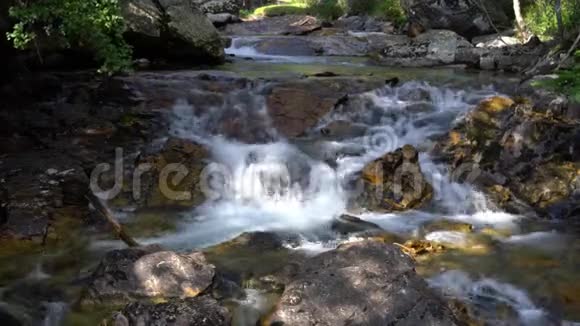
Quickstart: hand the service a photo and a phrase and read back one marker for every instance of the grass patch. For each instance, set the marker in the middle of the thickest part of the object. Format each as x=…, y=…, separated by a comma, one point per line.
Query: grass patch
x=540, y=16
x=284, y=9
x=567, y=82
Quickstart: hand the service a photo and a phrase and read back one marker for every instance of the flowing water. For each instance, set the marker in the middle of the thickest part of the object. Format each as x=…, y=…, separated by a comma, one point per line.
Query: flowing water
x=510, y=270
x=301, y=185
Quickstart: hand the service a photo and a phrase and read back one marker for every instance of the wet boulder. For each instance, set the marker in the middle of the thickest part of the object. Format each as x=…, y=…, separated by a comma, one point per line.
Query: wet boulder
x=171, y=29
x=199, y=311
x=296, y=107
x=526, y=158
x=465, y=17
x=394, y=182
x=148, y=272
x=251, y=255
x=342, y=129
x=362, y=283
x=160, y=187
x=346, y=224
x=35, y=189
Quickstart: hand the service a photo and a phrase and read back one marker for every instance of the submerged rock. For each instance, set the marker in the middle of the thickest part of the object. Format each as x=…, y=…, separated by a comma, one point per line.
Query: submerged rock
x=200, y=311
x=346, y=224
x=447, y=225
x=251, y=255
x=148, y=272
x=362, y=283
x=394, y=182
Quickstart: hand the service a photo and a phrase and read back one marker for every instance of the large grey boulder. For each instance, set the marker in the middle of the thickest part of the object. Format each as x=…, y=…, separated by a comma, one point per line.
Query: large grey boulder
x=148, y=272
x=223, y=19
x=174, y=29
x=218, y=6
x=465, y=17
x=435, y=47
x=362, y=283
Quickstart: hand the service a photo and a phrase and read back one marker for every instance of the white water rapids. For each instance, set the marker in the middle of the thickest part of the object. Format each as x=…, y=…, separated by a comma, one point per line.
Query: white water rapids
x=292, y=185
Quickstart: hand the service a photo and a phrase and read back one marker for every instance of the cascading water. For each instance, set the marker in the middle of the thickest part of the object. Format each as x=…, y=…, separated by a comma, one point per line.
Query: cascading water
x=270, y=183
x=277, y=185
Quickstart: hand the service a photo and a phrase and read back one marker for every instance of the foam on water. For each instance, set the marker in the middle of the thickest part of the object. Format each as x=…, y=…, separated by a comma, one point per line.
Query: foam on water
x=550, y=241
x=244, y=47
x=486, y=293
x=277, y=186
x=451, y=237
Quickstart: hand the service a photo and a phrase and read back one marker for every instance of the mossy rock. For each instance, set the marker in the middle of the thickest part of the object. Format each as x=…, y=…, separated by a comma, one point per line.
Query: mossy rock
x=251, y=255
x=446, y=225
x=160, y=188
x=395, y=182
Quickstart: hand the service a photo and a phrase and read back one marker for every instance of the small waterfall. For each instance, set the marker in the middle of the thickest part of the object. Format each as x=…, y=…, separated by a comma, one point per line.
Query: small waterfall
x=55, y=313
x=274, y=185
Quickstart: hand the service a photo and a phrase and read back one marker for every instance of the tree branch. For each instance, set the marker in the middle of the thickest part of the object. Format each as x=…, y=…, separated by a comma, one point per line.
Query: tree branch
x=110, y=219
x=574, y=45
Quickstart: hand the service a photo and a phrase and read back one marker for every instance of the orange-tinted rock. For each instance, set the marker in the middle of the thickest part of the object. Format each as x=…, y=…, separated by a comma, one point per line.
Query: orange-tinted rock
x=395, y=182
x=295, y=107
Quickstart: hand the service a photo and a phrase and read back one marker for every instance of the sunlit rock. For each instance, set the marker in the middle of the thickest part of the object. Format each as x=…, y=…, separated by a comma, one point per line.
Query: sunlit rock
x=526, y=159
x=395, y=182
x=159, y=185
x=363, y=283
x=148, y=272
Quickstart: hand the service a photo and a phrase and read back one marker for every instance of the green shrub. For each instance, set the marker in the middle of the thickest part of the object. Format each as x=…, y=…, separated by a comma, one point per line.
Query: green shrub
x=540, y=16
x=326, y=9
x=390, y=10
x=568, y=81
x=332, y=9
x=245, y=13
x=95, y=24
x=387, y=9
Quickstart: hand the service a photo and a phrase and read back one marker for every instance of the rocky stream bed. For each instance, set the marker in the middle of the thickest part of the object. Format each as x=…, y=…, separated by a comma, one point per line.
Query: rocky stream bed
x=323, y=185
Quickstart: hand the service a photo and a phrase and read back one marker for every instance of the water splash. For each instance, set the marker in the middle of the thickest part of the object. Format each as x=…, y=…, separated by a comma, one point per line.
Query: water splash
x=279, y=185
x=489, y=295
